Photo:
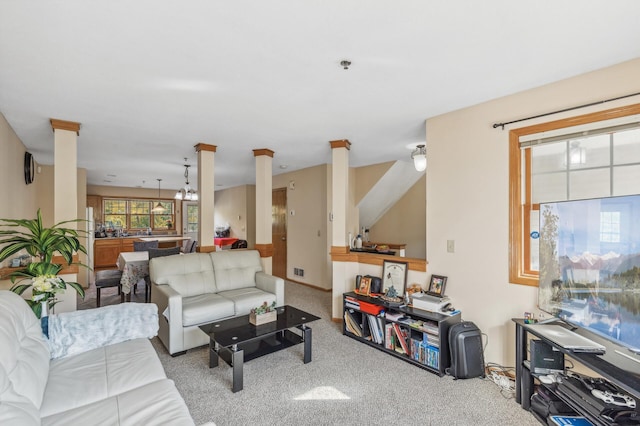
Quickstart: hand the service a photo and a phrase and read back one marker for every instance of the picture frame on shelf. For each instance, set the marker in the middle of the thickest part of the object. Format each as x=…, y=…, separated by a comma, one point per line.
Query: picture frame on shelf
x=436, y=285
x=365, y=286
x=394, y=274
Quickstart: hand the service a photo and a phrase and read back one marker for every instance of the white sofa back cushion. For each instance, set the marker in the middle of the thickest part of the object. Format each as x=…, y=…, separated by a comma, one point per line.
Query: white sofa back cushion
x=25, y=353
x=235, y=268
x=189, y=274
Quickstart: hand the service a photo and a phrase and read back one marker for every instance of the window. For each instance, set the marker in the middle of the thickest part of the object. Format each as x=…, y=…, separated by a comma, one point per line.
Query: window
x=610, y=227
x=136, y=214
x=561, y=160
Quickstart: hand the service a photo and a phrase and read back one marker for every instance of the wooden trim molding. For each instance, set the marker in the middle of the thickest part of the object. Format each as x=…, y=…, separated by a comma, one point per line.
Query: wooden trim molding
x=71, y=126
x=414, y=264
x=263, y=151
x=205, y=147
x=517, y=272
x=206, y=249
x=66, y=270
x=266, y=250
x=342, y=143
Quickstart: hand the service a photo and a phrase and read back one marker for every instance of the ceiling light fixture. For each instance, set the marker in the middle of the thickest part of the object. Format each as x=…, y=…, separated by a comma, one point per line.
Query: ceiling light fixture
x=187, y=193
x=158, y=208
x=345, y=64
x=420, y=158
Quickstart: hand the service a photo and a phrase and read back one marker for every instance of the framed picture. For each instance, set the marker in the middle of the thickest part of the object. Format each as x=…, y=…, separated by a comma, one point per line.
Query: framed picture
x=365, y=286
x=394, y=274
x=436, y=285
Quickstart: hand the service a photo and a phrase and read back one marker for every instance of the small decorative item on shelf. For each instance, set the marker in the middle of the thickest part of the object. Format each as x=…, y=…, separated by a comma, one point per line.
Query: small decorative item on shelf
x=263, y=314
x=391, y=297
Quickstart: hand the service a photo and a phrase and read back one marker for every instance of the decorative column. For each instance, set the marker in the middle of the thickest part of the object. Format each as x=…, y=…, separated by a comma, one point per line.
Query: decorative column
x=264, y=187
x=65, y=194
x=206, y=192
x=343, y=268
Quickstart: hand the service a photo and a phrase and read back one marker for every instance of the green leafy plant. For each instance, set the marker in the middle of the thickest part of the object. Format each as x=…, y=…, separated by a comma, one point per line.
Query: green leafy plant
x=41, y=242
x=264, y=308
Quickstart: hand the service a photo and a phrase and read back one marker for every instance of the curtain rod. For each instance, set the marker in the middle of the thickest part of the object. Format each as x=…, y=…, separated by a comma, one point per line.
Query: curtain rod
x=496, y=125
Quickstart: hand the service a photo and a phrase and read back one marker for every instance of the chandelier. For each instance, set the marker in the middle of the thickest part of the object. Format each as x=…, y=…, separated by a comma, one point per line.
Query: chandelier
x=187, y=193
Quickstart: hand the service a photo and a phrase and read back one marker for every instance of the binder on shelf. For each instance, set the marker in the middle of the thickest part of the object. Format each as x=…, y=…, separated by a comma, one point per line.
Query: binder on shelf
x=351, y=324
x=389, y=342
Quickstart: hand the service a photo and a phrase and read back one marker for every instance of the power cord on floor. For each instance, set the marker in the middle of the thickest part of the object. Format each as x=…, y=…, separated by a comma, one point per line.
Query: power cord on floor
x=503, y=377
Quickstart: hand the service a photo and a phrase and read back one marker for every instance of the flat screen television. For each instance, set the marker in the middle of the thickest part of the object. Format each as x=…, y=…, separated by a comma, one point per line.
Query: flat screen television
x=590, y=265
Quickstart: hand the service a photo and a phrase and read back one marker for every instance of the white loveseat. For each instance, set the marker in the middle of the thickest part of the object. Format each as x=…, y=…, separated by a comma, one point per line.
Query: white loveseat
x=200, y=288
x=118, y=384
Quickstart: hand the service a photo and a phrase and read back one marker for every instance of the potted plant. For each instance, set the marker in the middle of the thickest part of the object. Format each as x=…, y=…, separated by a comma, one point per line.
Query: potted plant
x=43, y=243
x=263, y=314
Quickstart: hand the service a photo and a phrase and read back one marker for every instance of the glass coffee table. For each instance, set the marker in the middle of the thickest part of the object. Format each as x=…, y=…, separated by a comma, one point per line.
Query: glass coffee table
x=236, y=340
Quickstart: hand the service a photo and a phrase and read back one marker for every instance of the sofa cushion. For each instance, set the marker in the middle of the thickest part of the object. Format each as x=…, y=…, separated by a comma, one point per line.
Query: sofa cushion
x=205, y=308
x=190, y=274
x=248, y=298
x=15, y=409
x=24, y=357
x=235, y=269
x=157, y=403
x=100, y=373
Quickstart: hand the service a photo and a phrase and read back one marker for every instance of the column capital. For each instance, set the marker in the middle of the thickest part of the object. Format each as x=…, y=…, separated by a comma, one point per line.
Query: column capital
x=205, y=147
x=341, y=143
x=72, y=126
x=263, y=151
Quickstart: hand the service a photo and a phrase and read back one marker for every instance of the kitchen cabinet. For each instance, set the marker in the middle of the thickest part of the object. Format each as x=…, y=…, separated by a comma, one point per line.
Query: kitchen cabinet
x=106, y=250
x=95, y=201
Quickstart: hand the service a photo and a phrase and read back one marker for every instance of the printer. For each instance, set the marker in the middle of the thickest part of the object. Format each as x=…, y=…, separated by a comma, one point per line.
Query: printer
x=427, y=302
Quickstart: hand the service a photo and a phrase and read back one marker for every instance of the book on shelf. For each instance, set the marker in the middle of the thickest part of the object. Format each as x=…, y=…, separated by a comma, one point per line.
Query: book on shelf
x=569, y=421
x=348, y=304
x=374, y=328
x=394, y=316
x=389, y=342
x=351, y=324
x=402, y=338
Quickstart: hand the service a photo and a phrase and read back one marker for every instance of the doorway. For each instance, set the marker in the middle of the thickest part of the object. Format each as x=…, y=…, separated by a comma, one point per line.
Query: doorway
x=279, y=232
x=190, y=220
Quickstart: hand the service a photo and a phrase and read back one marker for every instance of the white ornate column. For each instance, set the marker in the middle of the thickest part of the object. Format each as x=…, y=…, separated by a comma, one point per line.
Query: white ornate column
x=206, y=193
x=65, y=195
x=264, y=195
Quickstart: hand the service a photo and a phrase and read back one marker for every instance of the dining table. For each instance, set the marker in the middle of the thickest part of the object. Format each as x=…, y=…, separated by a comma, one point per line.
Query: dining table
x=134, y=266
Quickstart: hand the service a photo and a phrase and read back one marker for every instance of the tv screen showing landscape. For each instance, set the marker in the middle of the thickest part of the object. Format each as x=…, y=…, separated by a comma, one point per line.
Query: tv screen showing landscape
x=590, y=265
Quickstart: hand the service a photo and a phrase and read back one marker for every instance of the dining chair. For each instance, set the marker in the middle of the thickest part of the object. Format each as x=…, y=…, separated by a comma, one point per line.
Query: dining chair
x=143, y=246
x=192, y=247
x=157, y=252
x=239, y=244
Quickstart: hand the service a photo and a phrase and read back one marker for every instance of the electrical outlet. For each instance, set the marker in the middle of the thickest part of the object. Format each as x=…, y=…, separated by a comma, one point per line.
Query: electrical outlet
x=301, y=272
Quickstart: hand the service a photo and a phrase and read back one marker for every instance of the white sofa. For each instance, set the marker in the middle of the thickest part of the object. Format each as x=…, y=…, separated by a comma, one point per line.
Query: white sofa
x=118, y=384
x=200, y=288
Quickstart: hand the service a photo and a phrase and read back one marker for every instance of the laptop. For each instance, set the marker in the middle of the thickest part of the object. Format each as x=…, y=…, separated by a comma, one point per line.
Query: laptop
x=567, y=339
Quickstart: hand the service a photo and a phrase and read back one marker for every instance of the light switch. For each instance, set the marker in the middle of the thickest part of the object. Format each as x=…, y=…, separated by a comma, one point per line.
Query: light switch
x=451, y=246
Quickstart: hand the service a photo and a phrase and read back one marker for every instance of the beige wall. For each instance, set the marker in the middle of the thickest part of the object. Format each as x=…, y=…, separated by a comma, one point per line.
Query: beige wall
x=236, y=207
x=308, y=234
x=405, y=222
x=468, y=196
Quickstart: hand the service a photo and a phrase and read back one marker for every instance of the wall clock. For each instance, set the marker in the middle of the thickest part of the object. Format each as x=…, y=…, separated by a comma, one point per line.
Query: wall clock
x=29, y=168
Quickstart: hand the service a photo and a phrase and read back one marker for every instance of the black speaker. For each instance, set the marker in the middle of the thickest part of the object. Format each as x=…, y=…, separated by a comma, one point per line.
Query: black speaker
x=545, y=360
x=376, y=284
x=358, y=278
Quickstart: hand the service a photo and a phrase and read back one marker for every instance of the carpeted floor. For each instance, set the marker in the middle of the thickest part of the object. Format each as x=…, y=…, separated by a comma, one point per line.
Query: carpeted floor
x=346, y=383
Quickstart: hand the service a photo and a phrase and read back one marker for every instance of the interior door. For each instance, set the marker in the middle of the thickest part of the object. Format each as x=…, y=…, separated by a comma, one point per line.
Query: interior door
x=190, y=220
x=279, y=232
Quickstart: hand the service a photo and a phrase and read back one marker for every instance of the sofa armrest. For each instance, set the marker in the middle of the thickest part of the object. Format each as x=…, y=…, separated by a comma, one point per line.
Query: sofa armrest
x=75, y=332
x=271, y=284
x=170, y=306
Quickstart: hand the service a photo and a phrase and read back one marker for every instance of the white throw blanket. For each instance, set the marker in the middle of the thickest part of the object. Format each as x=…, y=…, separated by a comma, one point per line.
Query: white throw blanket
x=76, y=332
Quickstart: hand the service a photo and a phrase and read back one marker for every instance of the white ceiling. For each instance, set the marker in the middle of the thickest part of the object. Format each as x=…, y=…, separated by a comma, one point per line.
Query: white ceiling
x=148, y=79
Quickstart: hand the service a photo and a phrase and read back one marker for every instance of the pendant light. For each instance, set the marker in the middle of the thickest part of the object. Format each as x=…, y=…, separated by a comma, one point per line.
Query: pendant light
x=187, y=193
x=158, y=208
x=419, y=157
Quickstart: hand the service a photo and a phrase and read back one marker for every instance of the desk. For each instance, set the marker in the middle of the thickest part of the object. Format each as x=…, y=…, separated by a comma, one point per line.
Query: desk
x=616, y=365
x=134, y=266
x=219, y=242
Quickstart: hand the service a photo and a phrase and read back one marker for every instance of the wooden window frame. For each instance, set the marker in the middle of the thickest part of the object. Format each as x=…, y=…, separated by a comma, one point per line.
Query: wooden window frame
x=151, y=214
x=519, y=213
